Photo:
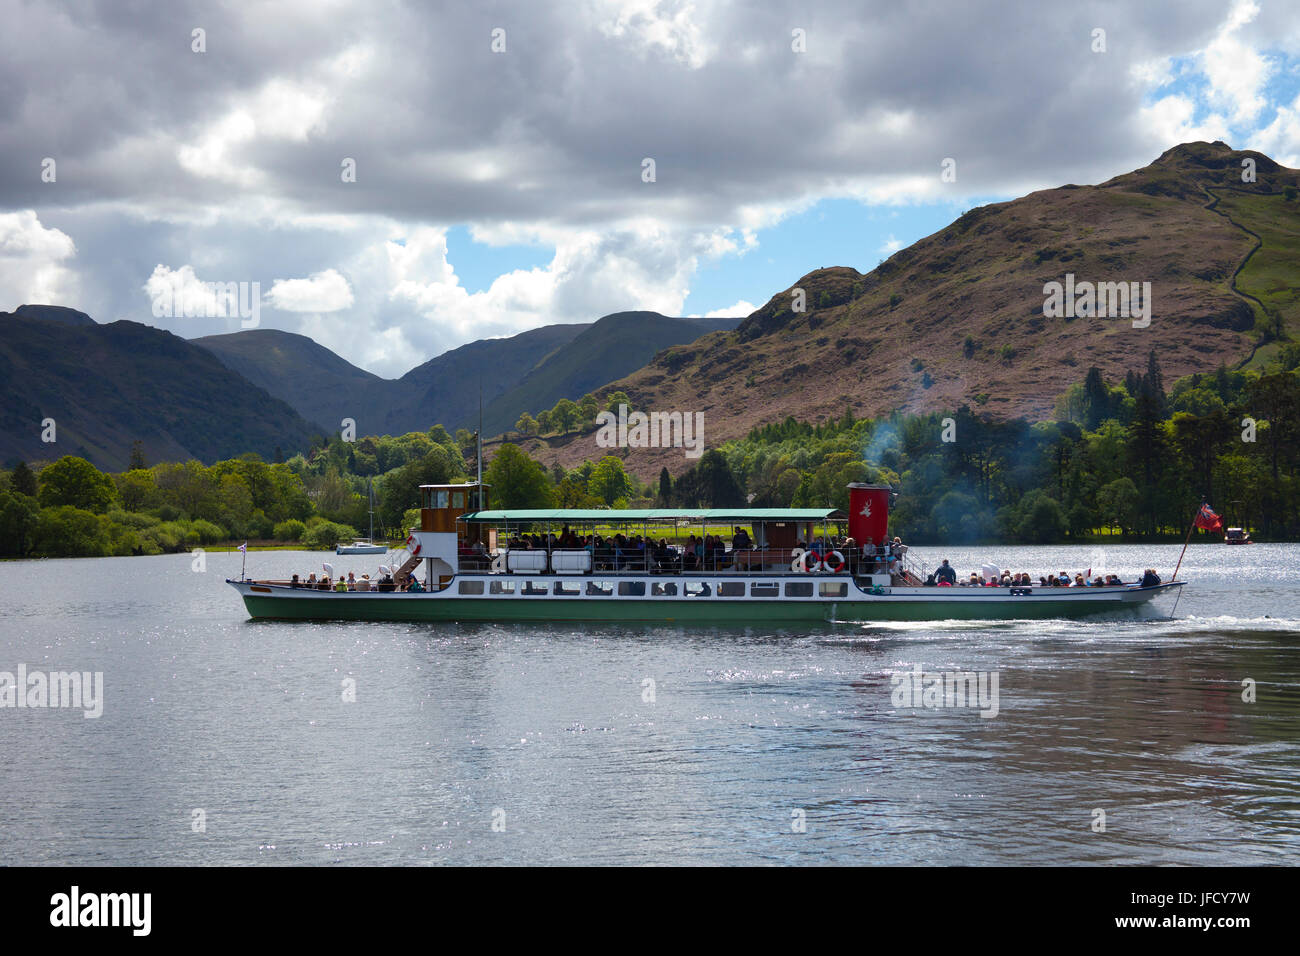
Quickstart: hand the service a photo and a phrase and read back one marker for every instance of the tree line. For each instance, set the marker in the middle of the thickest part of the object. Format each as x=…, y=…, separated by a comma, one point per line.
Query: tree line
x=1118, y=458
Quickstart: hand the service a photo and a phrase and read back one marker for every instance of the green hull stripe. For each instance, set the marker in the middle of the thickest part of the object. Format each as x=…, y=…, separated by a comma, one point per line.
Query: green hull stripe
x=684, y=610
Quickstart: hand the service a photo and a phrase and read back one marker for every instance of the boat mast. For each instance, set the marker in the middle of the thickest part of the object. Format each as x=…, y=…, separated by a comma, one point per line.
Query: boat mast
x=478, y=494
x=370, y=491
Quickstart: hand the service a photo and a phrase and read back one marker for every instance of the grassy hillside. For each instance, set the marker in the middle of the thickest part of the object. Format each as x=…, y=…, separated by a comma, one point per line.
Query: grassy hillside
x=106, y=386
x=320, y=386
x=957, y=318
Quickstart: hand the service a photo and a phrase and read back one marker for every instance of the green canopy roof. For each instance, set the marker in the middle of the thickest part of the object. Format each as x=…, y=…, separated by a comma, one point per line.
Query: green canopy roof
x=635, y=515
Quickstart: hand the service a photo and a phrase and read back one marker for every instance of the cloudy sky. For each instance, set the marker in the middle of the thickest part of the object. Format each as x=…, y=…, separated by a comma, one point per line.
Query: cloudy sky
x=500, y=150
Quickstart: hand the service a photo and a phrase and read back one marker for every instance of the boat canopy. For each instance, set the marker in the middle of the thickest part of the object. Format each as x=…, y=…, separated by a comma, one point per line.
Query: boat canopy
x=634, y=515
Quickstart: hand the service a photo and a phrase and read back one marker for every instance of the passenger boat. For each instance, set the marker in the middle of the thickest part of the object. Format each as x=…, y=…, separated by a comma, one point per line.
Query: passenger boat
x=1236, y=536
x=785, y=575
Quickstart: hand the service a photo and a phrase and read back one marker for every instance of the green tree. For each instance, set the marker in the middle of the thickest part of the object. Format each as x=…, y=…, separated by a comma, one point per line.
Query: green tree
x=1118, y=502
x=76, y=482
x=517, y=481
x=544, y=422
x=19, y=514
x=65, y=531
x=566, y=415
x=1038, y=519
x=616, y=399
x=609, y=481
x=22, y=480
x=665, y=496
x=527, y=425
x=137, y=456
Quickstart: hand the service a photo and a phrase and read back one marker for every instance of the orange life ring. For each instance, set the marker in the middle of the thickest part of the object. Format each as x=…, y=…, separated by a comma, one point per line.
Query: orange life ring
x=412, y=545
x=839, y=562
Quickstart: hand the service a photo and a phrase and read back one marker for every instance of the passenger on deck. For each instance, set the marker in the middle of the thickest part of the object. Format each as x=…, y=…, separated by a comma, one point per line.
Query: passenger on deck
x=944, y=574
x=415, y=585
x=311, y=580
x=294, y=582
x=340, y=585
x=352, y=581
x=1150, y=578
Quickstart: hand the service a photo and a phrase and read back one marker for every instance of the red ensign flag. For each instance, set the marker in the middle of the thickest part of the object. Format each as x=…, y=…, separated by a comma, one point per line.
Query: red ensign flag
x=1208, y=520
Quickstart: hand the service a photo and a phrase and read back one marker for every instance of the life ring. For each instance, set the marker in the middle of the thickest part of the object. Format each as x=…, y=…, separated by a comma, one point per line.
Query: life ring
x=833, y=558
x=412, y=545
x=816, y=561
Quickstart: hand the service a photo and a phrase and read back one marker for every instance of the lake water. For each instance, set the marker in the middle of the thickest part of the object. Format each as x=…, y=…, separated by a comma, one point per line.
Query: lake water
x=750, y=736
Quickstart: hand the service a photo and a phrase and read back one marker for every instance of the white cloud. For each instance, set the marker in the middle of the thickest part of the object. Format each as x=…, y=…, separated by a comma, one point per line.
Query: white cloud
x=740, y=310
x=891, y=245
x=326, y=291
x=180, y=293
x=32, y=262
x=1171, y=120
x=1235, y=70
x=1281, y=138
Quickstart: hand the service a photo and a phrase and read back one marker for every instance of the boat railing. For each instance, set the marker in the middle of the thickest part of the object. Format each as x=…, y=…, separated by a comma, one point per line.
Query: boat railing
x=613, y=560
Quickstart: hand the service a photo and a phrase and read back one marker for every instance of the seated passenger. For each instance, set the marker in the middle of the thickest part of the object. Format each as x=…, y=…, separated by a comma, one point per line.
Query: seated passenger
x=1150, y=578
x=295, y=583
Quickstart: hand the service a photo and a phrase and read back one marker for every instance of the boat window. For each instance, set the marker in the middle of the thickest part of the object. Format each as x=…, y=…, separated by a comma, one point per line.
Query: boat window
x=440, y=499
x=799, y=589
x=632, y=588
x=502, y=587
x=600, y=588
x=661, y=589
x=731, y=589
x=697, y=589
x=531, y=587
x=833, y=589
x=458, y=499
x=471, y=587
x=764, y=590
x=568, y=588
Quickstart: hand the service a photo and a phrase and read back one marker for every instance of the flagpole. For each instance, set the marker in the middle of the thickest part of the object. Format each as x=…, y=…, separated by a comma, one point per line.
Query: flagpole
x=1174, y=576
x=243, y=561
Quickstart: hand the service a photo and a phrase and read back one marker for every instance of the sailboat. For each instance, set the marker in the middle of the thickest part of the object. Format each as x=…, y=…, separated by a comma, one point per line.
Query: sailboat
x=367, y=546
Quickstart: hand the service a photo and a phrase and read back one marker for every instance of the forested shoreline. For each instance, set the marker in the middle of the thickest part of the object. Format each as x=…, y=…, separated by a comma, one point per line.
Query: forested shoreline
x=1120, y=460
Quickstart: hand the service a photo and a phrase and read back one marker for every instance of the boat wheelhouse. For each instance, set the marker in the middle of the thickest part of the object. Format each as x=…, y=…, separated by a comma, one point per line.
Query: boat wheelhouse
x=1236, y=536
x=760, y=565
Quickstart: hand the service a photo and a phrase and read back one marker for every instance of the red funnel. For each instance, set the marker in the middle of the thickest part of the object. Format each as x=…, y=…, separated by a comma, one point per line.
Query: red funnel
x=868, y=513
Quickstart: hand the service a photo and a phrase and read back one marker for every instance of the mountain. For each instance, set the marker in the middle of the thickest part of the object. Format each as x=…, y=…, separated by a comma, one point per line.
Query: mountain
x=325, y=389
x=610, y=348
x=105, y=386
x=54, y=313
x=316, y=383
x=524, y=372
x=958, y=317
x=445, y=389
